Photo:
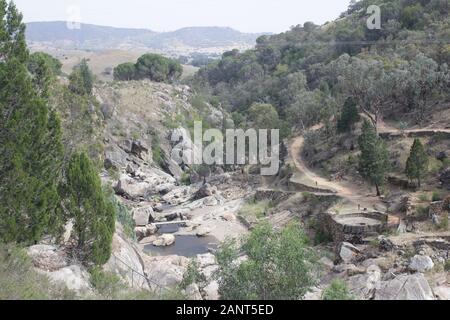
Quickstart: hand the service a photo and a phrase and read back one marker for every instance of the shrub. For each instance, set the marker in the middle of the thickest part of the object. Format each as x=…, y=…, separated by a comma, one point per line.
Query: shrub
x=192, y=275
x=437, y=196
x=280, y=265
x=447, y=266
x=107, y=284
x=337, y=290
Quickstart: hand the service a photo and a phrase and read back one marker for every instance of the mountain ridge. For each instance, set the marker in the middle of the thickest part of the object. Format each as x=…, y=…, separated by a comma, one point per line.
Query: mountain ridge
x=91, y=36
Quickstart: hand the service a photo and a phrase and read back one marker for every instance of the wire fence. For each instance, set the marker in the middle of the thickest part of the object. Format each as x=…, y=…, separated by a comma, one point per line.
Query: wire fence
x=136, y=275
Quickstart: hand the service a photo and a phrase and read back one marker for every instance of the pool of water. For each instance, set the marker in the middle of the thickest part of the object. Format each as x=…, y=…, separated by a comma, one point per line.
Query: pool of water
x=185, y=245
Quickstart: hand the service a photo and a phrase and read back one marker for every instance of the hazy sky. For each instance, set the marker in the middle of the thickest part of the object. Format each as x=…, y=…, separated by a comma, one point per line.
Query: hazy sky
x=168, y=15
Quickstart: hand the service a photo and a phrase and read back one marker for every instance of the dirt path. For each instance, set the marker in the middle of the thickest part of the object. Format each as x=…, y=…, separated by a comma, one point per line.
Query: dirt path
x=356, y=197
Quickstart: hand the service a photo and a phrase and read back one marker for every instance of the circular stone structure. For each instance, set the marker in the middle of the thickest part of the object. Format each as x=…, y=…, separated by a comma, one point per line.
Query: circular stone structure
x=346, y=226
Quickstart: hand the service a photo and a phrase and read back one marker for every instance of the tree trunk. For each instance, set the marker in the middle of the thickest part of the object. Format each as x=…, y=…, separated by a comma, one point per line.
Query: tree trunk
x=378, y=190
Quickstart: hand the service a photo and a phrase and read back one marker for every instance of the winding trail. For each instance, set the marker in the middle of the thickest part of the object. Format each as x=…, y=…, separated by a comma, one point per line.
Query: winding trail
x=356, y=197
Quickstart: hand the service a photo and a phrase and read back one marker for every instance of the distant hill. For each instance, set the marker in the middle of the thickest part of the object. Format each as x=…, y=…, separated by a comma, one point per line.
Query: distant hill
x=93, y=37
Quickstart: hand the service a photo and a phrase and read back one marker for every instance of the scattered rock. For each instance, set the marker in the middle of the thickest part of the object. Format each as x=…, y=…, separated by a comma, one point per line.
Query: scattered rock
x=348, y=252
x=405, y=287
x=203, y=232
x=363, y=286
x=142, y=215
x=165, y=272
x=385, y=244
x=421, y=263
x=205, y=191
x=46, y=257
x=164, y=240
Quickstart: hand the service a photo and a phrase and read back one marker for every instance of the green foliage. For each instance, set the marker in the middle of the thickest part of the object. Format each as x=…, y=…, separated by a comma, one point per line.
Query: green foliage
x=158, y=68
x=437, y=196
x=125, y=72
x=349, y=116
x=81, y=79
x=337, y=290
x=192, y=275
x=44, y=68
x=279, y=266
x=107, y=284
x=125, y=218
x=417, y=163
x=373, y=161
x=19, y=280
x=93, y=213
x=30, y=142
x=255, y=209
x=447, y=266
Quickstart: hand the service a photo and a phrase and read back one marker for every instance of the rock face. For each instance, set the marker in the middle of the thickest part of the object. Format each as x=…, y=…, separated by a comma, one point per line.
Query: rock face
x=142, y=215
x=164, y=240
x=47, y=258
x=364, y=286
x=348, y=252
x=166, y=271
x=126, y=262
x=130, y=188
x=421, y=263
x=115, y=157
x=74, y=277
x=405, y=287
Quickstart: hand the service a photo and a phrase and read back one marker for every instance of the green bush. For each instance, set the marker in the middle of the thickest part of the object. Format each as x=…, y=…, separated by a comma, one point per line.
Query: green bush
x=437, y=196
x=337, y=290
x=280, y=265
x=107, y=284
x=192, y=275
x=447, y=266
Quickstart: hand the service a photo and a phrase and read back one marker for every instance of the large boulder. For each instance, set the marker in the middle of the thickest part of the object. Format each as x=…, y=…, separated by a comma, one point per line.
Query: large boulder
x=183, y=147
x=115, y=157
x=421, y=263
x=405, y=287
x=125, y=261
x=131, y=188
x=193, y=292
x=348, y=252
x=164, y=240
x=143, y=215
x=165, y=272
x=363, y=286
x=47, y=258
x=74, y=277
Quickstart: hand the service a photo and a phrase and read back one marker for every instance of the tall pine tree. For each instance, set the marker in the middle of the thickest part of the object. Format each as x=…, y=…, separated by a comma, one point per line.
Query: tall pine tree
x=349, y=116
x=373, y=161
x=30, y=141
x=93, y=213
x=417, y=164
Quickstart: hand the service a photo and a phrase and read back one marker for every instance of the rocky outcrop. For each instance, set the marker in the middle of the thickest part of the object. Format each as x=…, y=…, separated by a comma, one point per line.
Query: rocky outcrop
x=405, y=287
x=364, y=286
x=126, y=262
x=164, y=240
x=348, y=252
x=165, y=272
x=76, y=278
x=47, y=258
x=421, y=263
